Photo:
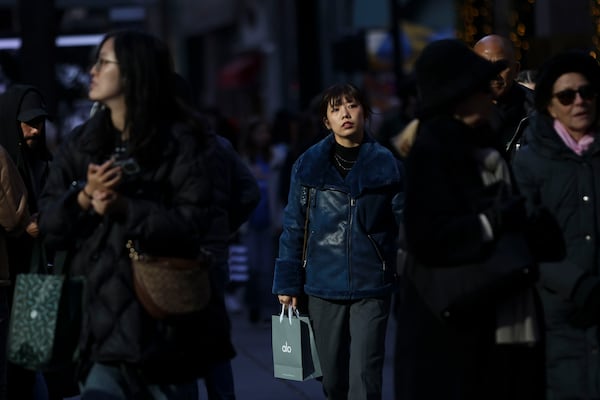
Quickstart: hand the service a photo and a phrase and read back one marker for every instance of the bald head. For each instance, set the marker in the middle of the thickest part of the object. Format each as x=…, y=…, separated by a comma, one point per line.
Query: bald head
x=496, y=48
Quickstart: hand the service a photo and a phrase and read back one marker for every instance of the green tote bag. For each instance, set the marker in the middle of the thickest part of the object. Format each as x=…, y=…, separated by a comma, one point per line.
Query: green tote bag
x=45, y=318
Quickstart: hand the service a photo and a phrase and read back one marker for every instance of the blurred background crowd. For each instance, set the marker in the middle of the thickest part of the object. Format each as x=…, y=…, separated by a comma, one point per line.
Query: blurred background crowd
x=267, y=59
x=255, y=68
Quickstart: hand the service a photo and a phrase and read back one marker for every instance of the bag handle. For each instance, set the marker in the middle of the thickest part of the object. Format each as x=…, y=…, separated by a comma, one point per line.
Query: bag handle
x=291, y=311
x=305, y=229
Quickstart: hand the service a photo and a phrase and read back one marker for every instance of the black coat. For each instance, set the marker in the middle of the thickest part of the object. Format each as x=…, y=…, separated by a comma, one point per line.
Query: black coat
x=170, y=207
x=551, y=174
x=445, y=195
x=33, y=167
x=508, y=112
x=235, y=196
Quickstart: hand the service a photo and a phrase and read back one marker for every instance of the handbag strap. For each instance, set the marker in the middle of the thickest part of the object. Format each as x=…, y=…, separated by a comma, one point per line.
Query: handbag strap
x=39, y=260
x=60, y=264
x=305, y=229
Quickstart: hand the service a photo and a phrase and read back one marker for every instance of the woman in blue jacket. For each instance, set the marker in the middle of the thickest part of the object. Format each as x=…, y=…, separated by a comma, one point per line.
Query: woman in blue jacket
x=338, y=244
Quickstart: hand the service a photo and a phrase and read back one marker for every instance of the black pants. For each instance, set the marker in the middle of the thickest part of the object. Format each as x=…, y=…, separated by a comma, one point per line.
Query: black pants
x=350, y=338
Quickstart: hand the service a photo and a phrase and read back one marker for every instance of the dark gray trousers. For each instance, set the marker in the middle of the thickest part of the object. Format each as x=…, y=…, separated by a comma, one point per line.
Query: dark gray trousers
x=350, y=338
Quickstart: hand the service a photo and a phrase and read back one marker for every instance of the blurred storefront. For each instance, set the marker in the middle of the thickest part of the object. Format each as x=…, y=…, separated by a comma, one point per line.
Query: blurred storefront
x=249, y=57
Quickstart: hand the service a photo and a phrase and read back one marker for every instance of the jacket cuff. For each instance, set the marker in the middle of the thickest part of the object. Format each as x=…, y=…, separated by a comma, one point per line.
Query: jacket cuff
x=289, y=278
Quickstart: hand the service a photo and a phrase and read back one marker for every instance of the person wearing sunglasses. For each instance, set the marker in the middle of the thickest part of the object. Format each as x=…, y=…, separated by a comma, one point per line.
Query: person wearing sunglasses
x=559, y=168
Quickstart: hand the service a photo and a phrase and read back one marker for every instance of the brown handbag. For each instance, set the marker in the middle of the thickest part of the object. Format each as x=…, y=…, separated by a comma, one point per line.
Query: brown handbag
x=168, y=286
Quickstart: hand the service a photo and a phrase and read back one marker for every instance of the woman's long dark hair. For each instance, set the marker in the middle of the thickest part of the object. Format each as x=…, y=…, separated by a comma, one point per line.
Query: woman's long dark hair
x=147, y=76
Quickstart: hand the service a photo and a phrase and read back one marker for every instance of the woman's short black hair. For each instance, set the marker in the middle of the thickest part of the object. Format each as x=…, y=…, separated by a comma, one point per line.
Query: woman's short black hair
x=336, y=94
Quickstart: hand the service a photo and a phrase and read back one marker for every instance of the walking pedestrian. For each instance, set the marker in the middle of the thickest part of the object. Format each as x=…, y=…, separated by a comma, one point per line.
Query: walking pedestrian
x=236, y=195
x=512, y=102
x=559, y=168
x=23, y=119
x=136, y=170
x=460, y=203
x=338, y=244
x=14, y=217
x=259, y=233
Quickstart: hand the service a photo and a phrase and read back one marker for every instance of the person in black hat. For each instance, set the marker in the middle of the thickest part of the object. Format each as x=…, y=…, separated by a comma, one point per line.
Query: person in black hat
x=23, y=116
x=460, y=203
x=512, y=102
x=559, y=167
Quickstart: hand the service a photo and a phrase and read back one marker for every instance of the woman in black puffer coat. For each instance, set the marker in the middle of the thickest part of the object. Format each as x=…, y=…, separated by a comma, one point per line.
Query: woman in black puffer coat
x=559, y=168
x=161, y=198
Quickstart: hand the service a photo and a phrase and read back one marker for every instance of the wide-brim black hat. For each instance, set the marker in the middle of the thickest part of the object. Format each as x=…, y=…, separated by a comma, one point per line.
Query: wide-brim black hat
x=32, y=107
x=448, y=71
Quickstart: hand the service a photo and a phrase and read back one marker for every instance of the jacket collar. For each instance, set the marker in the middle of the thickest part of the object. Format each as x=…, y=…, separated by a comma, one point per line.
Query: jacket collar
x=542, y=137
x=375, y=167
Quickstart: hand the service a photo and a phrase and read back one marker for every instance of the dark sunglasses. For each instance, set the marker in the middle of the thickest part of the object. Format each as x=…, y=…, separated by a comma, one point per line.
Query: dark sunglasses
x=567, y=97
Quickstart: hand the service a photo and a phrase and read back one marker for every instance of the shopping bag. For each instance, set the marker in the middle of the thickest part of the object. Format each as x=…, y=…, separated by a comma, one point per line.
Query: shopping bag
x=45, y=319
x=294, y=350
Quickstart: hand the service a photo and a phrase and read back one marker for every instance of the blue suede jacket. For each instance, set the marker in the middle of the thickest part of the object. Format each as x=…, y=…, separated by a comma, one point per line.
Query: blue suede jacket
x=352, y=225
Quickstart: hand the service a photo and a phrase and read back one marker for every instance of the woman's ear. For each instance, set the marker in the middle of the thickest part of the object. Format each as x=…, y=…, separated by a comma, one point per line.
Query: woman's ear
x=326, y=123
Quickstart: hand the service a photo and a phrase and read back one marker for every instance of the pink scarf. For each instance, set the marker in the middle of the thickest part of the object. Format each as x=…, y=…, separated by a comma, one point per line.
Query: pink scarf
x=578, y=147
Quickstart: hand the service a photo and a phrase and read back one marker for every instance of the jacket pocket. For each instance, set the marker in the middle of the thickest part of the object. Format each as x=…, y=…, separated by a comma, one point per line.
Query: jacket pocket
x=377, y=251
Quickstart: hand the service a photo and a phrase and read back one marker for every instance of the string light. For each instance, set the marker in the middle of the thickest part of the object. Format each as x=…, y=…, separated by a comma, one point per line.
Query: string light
x=475, y=20
x=521, y=28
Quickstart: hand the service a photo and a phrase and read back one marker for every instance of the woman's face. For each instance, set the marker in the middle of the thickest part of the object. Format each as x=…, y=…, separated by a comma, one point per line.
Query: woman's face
x=105, y=85
x=573, y=103
x=346, y=119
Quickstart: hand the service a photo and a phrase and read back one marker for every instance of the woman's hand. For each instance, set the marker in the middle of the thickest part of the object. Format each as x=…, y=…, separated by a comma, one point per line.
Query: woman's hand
x=100, y=178
x=103, y=176
x=287, y=300
x=32, y=227
x=106, y=202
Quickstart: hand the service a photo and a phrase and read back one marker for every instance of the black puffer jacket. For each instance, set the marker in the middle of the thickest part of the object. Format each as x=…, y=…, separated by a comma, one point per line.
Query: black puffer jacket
x=568, y=185
x=170, y=206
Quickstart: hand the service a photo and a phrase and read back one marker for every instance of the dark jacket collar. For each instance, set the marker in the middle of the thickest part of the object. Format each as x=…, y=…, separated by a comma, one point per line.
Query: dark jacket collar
x=543, y=138
x=375, y=167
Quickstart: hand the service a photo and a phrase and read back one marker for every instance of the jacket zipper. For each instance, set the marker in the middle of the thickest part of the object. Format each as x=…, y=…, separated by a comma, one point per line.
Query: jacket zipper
x=349, y=233
x=308, y=206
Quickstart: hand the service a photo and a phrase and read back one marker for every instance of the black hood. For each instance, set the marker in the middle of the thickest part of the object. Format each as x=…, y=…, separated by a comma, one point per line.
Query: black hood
x=11, y=135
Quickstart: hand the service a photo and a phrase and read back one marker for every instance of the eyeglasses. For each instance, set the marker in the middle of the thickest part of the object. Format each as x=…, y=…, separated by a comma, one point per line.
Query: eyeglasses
x=567, y=97
x=101, y=62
